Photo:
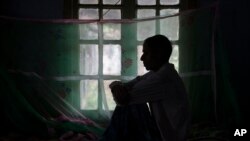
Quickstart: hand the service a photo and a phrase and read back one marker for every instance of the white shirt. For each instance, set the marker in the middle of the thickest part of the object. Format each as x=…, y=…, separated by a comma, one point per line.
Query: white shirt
x=167, y=98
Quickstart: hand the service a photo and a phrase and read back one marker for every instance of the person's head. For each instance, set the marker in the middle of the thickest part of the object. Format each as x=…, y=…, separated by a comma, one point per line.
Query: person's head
x=156, y=52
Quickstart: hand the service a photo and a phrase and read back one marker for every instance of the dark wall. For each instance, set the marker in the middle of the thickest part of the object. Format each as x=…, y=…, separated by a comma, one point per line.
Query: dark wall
x=234, y=24
x=233, y=28
x=42, y=9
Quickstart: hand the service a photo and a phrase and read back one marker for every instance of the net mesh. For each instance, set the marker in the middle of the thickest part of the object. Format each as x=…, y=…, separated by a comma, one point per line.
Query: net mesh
x=55, y=73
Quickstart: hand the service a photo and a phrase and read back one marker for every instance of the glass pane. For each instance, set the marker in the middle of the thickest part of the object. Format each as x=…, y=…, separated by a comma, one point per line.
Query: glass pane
x=170, y=26
x=112, y=59
x=88, y=59
x=112, y=31
x=165, y=12
x=174, y=58
x=88, y=14
x=118, y=2
x=111, y=14
x=88, y=1
x=169, y=2
x=89, y=94
x=109, y=97
x=144, y=13
x=88, y=31
x=141, y=69
x=147, y=28
x=146, y=2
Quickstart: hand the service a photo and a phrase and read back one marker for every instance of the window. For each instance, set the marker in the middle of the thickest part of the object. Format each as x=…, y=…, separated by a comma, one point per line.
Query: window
x=101, y=45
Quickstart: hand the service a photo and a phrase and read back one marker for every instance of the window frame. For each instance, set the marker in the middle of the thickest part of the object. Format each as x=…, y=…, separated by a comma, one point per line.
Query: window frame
x=128, y=11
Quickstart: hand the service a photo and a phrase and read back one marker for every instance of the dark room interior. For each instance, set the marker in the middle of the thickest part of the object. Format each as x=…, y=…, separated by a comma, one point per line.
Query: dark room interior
x=25, y=25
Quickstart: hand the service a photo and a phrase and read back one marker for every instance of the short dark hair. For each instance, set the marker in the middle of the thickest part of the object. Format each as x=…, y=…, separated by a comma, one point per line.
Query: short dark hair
x=159, y=44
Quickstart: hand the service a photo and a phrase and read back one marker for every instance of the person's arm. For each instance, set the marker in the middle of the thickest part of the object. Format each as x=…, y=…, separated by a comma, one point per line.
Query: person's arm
x=152, y=89
x=120, y=90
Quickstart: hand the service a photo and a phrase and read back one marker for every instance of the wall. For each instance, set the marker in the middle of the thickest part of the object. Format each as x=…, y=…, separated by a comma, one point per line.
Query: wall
x=42, y=9
x=233, y=29
x=234, y=23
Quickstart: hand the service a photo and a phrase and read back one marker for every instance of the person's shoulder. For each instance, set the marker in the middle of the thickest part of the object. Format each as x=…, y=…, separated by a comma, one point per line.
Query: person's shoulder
x=147, y=75
x=167, y=70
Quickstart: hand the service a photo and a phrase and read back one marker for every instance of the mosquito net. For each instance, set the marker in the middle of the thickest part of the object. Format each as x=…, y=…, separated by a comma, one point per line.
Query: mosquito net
x=55, y=73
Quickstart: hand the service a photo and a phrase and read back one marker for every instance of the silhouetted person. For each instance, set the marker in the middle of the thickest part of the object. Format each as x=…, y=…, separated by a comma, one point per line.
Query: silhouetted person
x=162, y=88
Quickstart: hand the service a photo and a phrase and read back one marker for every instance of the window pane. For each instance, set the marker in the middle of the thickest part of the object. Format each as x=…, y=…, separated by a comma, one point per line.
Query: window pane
x=88, y=14
x=109, y=97
x=112, y=59
x=88, y=59
x=88, y=31
x=174, y=58
x=89, y=94
x=88, y=1
x=146, y=2
x=169, y=2
x=112, y=2
x=144, y=13
x=169, y=11
x=111, y=14
x=112, y=31
x=170, y=26
x=141, y=69
x=145, y=28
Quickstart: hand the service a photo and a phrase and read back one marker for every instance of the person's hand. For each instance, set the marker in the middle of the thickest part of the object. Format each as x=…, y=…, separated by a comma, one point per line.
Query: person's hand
x=119, y=92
